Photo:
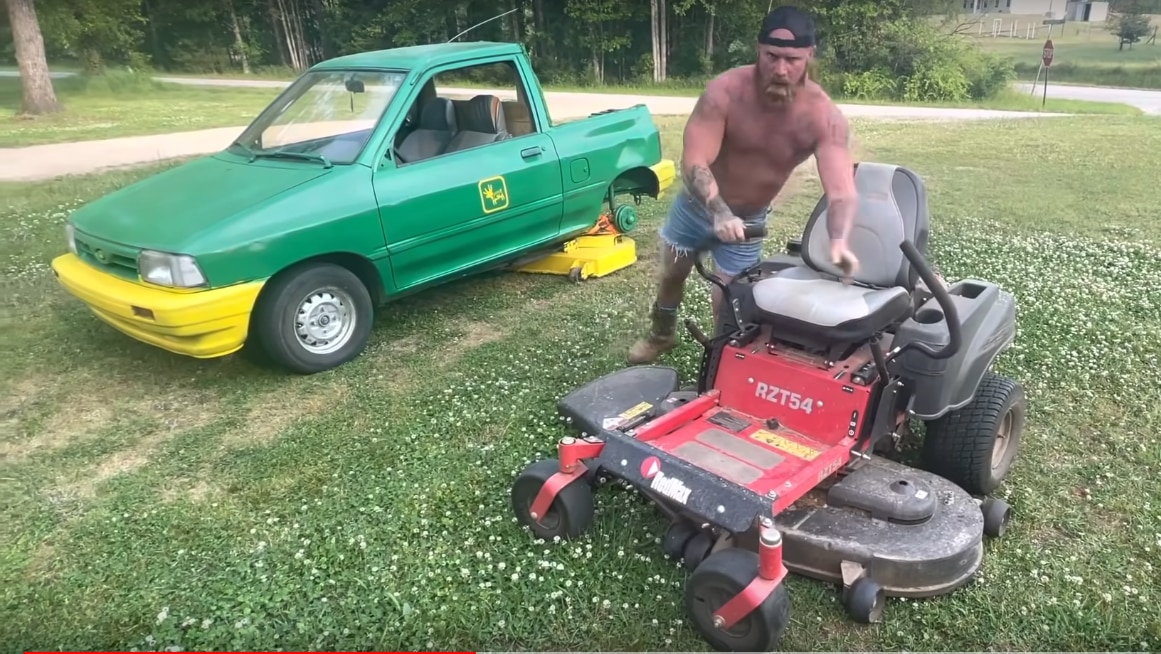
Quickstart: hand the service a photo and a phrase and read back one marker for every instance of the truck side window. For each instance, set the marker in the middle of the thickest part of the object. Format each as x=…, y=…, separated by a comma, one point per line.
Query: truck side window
x=472, y=106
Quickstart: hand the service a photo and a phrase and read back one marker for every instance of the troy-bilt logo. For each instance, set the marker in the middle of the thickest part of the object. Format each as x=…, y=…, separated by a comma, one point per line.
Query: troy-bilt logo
x=784, y=397
x=670, y=487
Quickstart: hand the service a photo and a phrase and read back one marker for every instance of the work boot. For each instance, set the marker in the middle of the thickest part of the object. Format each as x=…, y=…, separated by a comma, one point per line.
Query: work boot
x=661, y=339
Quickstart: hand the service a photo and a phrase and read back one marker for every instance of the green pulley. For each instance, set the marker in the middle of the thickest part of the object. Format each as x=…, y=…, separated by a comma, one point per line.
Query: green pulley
x=625, y=218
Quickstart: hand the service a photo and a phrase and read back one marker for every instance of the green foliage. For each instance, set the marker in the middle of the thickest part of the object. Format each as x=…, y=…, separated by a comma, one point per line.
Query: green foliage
x=910, y=60
x=890, y=49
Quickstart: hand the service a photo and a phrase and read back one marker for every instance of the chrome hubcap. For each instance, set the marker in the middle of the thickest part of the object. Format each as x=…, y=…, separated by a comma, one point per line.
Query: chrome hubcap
x=325, y=321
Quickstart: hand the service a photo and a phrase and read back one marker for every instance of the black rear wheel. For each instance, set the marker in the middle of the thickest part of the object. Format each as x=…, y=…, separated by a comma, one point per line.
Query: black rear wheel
x=974, y=446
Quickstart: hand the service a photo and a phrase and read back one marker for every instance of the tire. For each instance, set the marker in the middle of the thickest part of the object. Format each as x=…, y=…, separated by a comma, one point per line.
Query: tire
x=571, y=511
x=722, y=575
x=865, y=601
x=997, y=513
x=297, y=312
x=974, y=446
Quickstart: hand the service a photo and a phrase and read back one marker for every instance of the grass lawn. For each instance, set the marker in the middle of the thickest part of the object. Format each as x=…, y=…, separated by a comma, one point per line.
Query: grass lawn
x=152, y=501
x=125, y=105
x=1083, y=53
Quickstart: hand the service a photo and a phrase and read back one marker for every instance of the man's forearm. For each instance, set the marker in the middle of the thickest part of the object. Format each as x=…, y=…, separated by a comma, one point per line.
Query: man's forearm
x=840, y=215
x=701, y=183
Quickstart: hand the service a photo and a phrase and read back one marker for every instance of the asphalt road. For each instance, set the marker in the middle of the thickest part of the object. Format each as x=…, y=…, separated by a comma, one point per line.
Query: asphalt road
x=1146, y=100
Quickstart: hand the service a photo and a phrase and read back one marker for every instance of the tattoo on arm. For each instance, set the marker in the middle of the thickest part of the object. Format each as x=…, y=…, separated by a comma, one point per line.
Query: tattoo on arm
x=703, y=135
x=704, y=187
x=836, y=173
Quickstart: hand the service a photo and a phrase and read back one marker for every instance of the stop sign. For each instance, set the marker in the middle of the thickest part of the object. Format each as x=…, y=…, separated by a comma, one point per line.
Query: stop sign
x=1048, y=50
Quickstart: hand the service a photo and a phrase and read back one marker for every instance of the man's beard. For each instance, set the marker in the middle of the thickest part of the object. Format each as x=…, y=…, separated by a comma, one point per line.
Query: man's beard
x=783, y=93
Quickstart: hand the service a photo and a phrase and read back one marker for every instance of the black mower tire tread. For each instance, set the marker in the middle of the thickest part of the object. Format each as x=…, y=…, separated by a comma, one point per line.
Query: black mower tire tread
x=575, y=504
x=958, y=446
x=732, y=569
x=276, y=304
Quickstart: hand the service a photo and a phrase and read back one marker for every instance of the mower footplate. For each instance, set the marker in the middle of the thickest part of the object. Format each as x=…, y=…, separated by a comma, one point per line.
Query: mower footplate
x=914, y=533
x=613, y=400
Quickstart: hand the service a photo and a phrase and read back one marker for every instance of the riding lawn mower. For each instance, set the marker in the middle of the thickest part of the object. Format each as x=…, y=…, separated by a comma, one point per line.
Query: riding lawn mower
x=785, y=454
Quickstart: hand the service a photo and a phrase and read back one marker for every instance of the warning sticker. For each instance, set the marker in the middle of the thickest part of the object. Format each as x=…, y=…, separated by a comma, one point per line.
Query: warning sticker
x=633, y=412
x=786, y=445
x=626, y=415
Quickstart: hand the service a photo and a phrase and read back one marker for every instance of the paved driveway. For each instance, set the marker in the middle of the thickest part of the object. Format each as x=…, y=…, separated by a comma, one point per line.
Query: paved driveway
x=1146, y=100
x=47, y=161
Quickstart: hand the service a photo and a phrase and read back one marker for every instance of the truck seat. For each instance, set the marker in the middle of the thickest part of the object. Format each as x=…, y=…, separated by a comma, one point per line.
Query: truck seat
x=483, y=123
x=437, y=124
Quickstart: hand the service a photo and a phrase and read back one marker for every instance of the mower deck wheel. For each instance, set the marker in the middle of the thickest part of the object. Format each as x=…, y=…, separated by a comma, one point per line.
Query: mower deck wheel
x=571, y=511
x=719, y=578
x=677, y=535
x=996, y=516
x=865, y=600
x=696, y=549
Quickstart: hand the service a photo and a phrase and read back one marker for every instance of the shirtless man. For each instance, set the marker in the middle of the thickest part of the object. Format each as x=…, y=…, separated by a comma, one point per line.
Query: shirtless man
x=750, y=129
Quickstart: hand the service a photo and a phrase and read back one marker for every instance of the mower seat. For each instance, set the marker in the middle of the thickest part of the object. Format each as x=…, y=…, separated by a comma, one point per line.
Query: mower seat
x=809, y=304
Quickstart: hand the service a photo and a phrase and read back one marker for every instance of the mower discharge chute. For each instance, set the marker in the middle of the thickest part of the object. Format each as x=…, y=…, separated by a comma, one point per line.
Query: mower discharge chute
x=777, y=461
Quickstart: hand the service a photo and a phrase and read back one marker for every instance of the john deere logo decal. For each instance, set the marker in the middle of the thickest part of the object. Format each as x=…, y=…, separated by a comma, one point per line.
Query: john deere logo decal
x=494, y=194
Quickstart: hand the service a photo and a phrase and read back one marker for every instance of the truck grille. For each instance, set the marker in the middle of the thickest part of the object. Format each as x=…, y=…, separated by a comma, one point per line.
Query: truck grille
x=113, y=258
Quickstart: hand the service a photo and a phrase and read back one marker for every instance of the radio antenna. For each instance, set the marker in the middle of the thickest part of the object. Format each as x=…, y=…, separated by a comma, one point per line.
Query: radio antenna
x=481, y=23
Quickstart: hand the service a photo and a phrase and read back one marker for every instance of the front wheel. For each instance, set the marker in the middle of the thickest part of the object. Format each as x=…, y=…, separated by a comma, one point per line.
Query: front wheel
x=314, y=318
x=719, y=578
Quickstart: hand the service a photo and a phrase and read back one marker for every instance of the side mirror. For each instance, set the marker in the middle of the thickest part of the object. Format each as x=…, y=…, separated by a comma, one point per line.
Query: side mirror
x=355, y=86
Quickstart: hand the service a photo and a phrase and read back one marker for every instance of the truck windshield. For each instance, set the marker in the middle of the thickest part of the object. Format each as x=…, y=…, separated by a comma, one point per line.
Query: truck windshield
x=326, y=114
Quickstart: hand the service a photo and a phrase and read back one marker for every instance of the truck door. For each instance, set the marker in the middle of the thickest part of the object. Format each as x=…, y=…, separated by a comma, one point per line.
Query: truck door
x=473, y=187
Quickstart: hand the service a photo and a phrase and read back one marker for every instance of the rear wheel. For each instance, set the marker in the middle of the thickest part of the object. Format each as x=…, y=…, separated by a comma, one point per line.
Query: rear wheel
x=314, y=317
x=718, y=579
x=974, y=446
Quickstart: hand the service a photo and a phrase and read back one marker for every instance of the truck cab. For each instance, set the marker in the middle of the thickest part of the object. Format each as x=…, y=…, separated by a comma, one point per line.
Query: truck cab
x=372, y=176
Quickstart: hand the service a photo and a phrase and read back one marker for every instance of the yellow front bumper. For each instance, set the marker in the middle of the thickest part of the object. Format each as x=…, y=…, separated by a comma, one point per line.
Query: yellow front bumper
x=666, y=171
x=200, y=324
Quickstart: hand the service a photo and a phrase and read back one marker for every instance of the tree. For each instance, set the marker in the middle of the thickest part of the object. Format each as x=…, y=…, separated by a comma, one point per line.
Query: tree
x=1129, y=23
x=39, y=97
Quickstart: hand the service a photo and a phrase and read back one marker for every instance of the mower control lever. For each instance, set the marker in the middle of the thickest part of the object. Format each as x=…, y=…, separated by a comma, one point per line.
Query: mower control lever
x=749, y=232
x=950, y=315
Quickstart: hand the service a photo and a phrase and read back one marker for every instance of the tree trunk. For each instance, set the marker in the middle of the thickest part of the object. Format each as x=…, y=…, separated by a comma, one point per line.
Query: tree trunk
x=663, y=12
x=709, y=42
x=39, y=97
x=238, y=42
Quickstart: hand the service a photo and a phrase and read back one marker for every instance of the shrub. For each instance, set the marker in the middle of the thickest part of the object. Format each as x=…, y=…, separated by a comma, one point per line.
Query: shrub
x=913, y=62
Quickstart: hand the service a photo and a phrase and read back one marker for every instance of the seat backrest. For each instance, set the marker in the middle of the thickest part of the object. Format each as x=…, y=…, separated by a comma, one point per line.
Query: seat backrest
x=483, y=122
x=892, y=207
x=437, y=123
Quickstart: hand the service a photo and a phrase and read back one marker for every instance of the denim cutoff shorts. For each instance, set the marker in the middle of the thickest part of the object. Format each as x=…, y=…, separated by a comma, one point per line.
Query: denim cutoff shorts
x=688, y=226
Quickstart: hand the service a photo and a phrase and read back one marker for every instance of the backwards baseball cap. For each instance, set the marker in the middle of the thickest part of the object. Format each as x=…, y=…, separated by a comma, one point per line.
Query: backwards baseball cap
x=792, y=19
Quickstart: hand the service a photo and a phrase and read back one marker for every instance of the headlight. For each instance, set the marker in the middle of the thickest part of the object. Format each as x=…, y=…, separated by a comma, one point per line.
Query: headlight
x=164, y=269
x=71, y=237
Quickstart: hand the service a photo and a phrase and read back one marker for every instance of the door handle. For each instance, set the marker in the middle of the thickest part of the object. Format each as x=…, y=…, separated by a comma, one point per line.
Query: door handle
x=532, y=151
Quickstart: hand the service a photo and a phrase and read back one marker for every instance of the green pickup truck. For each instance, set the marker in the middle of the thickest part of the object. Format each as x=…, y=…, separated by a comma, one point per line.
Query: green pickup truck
x=370, y=177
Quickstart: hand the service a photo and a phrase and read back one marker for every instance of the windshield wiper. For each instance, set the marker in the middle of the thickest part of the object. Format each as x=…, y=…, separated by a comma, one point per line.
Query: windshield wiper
x=281, y=154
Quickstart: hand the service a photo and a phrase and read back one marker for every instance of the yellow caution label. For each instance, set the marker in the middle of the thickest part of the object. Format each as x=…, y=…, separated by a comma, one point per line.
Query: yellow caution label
x=786, y=445
x=633, y=412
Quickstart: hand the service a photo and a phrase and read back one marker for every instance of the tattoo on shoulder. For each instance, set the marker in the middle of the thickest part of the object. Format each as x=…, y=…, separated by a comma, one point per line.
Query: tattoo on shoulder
x=836, y=130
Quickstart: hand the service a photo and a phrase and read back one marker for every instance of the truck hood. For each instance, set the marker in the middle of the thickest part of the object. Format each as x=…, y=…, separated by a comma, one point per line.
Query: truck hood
x=168, y=210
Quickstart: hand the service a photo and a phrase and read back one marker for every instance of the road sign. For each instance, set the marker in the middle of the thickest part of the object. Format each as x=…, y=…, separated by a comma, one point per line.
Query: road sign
x=1048, y=52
